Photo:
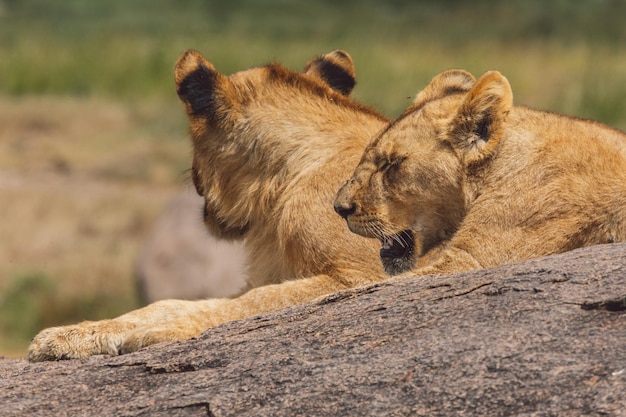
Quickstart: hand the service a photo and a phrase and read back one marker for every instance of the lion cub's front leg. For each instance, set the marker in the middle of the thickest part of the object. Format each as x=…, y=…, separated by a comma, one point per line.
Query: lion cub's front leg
x=163, y=321
x=171, y=320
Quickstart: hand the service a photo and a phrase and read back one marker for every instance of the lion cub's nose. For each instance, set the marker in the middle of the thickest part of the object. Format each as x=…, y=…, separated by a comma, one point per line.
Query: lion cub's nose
x=344, y=208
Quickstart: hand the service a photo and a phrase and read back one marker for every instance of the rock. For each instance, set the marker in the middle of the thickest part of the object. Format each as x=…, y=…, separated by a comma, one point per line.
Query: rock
x=182, y=260
x=545, y=337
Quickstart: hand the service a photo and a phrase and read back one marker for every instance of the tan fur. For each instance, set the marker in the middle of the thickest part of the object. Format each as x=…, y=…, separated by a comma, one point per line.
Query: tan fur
x=478, y=182
x=271, y=147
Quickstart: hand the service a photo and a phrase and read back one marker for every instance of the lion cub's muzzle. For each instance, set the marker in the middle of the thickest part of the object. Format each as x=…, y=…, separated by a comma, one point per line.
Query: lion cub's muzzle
x=344, y=208
x=399, y=245
x=344, y=201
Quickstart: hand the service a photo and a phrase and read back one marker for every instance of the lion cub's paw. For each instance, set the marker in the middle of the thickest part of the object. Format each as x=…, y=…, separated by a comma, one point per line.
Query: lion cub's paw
x=72, y=342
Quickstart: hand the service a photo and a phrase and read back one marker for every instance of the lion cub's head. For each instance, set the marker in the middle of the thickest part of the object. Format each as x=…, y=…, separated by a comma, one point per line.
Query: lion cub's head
x=411, y=187
x=246, y=126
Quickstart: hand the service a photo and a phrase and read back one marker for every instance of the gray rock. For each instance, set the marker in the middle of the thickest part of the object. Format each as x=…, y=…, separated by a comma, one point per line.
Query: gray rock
x=546, y=337
x=182, y=260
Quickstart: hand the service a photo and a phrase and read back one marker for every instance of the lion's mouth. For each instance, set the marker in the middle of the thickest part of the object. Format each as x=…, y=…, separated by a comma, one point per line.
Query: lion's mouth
x=400, y=245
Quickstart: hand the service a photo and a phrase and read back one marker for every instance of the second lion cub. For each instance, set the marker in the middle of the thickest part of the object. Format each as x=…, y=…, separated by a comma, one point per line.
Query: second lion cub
x=465, y=180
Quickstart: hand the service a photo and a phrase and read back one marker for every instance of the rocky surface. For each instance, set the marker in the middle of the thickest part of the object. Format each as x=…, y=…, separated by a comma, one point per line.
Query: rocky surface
x=546, y=337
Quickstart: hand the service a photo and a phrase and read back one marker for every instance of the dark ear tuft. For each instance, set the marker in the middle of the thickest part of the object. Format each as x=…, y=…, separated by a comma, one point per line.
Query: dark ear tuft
x=196, y=79
x=335, y=69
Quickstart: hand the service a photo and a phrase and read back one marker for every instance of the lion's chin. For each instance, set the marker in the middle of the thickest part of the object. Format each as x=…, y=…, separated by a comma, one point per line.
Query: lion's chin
x=397, y=266
x=397, y=252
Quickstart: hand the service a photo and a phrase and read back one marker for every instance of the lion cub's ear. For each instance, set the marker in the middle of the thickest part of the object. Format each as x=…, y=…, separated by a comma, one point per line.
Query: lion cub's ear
x=335, y=69
x=479, y=123
x=196, y=83
x=444, y=84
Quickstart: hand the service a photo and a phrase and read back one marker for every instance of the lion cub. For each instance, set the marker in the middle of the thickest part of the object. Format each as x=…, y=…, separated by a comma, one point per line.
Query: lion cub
x=271, y=148
x=464, y=180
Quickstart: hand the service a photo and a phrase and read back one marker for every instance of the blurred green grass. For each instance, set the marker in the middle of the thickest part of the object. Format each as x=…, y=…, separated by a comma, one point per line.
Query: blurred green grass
x=562, y=55
x=559, y=55
x=32, y=302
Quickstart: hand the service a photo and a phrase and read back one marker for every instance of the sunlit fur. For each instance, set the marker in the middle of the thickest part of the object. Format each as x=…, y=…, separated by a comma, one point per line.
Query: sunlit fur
x=270, y=149
x=481, y=183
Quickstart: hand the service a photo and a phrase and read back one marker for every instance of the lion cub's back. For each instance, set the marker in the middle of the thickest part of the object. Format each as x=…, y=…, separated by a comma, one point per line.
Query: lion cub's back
x=576, y=143
x=572, y=162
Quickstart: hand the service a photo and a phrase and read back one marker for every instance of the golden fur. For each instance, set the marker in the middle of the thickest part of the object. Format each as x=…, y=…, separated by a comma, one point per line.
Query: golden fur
x=464, y=180
x=271, y=148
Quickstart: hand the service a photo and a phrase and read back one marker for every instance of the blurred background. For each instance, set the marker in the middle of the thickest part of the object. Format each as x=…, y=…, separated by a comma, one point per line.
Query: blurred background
x=93, y=140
